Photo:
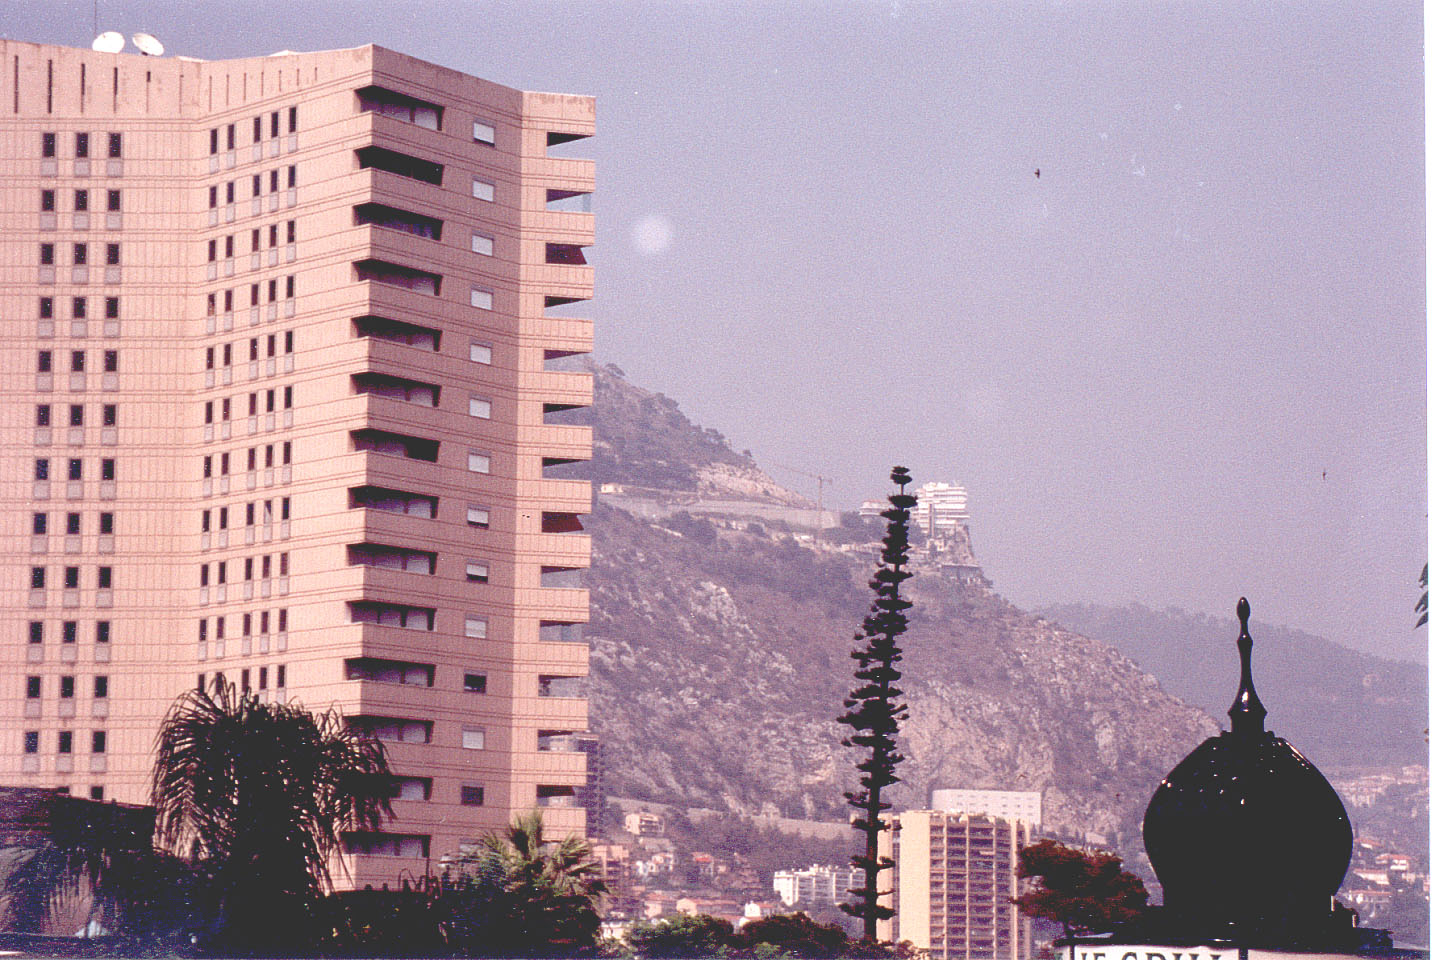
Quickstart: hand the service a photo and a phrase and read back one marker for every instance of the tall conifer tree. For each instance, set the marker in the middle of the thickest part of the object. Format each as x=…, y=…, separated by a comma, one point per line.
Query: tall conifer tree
x=873, y=709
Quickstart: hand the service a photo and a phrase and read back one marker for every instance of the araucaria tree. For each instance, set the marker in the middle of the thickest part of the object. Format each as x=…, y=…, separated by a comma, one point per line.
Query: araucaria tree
x=873, y=710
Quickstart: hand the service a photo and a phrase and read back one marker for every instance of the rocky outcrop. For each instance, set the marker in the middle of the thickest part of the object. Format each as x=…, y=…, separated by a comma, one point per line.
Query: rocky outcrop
x=720, y=657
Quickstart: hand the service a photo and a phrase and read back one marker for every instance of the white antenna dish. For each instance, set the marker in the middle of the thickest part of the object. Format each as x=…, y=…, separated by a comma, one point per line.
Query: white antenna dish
x=111, y=41
x=148, y=45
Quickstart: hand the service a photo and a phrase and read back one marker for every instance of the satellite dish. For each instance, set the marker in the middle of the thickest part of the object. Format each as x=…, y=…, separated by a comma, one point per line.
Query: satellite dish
x=148, y=45
x=111, y=41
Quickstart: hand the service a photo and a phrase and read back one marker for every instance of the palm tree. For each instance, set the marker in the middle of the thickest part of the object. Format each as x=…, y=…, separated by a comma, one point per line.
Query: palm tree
x=258, y=796
x=514, y=893
x=89, y=863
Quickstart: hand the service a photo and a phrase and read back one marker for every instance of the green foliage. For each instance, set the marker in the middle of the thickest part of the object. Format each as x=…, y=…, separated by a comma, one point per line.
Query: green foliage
x=514, y=894
x=873, y=709
x=1422, y=606
x=682, y=937
x=764, y=848
x=793, y=934
x=1083, y=892
x=257, y=796
x=698, y=529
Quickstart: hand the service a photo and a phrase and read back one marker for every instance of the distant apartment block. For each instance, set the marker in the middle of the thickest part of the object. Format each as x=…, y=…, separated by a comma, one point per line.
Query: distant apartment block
x=952, y=882
x=817, y=885
x=644, y=824
x=1010, y=804
x=940, y=510
x=287, y=337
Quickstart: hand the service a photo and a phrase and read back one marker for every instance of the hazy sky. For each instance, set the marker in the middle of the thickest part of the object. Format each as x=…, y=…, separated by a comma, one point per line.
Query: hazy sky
x=1184, y=363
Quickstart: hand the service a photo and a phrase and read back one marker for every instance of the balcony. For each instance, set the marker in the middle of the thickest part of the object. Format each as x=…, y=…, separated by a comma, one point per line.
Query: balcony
x=392, y=615
x=394, y=501
x=557, y=795
x=392, y=729
x=397, y=275
x=393, y=218
x=401, y=164
x=395, y=444
x=396, y=388
x=561, y=388
x=569, y=688
x=400, y=106
x=375, y=670
x=386, y=557
x=397, y=331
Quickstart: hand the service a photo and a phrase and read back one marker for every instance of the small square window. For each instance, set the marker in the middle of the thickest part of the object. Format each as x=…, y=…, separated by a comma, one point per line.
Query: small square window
x=66, y=742
x=479, y=462
x=482, y=190
x=481, y=298
x=97, y=741
x=484, y=132
x=478, y=516
x=472, y=738
x=480, y=407
x=474, y=683
x=480, y=353
x=32, y=741
x=477, y=571
x=479, y=243
x=472, y=795
x=476, y=626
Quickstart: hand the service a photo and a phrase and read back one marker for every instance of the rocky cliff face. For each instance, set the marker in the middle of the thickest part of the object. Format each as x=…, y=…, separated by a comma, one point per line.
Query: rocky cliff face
x=720, y=656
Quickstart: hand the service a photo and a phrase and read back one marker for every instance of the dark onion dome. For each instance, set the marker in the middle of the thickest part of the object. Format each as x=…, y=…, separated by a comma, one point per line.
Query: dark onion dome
x=1247, y=838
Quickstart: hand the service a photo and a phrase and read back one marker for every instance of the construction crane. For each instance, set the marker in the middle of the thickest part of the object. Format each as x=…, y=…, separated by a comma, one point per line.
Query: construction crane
x=819, y=492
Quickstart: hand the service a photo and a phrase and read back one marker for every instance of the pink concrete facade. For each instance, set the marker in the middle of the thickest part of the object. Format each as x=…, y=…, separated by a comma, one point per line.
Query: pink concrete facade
x=282, y=335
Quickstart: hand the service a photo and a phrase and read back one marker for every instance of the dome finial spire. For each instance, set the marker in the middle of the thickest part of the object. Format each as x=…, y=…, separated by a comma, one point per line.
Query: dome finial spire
x=1247, y=713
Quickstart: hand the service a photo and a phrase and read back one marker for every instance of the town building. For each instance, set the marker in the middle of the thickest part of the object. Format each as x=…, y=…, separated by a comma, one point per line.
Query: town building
x=817, y=885
x=952, y=885
x=287, y=338
x=1011, y=804
x=941, y=509
x=644, y=824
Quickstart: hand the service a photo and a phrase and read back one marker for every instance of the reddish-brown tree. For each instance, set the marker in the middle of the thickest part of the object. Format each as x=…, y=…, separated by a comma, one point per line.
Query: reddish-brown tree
x=1083, y=892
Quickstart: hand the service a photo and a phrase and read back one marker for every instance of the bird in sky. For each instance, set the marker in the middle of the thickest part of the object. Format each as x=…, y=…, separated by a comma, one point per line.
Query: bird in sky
x=1037, y=173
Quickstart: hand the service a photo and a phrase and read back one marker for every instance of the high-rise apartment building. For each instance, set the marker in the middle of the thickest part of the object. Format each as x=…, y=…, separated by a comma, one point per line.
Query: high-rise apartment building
x=1011, y=804
x=285, y=336
x=952, y=883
